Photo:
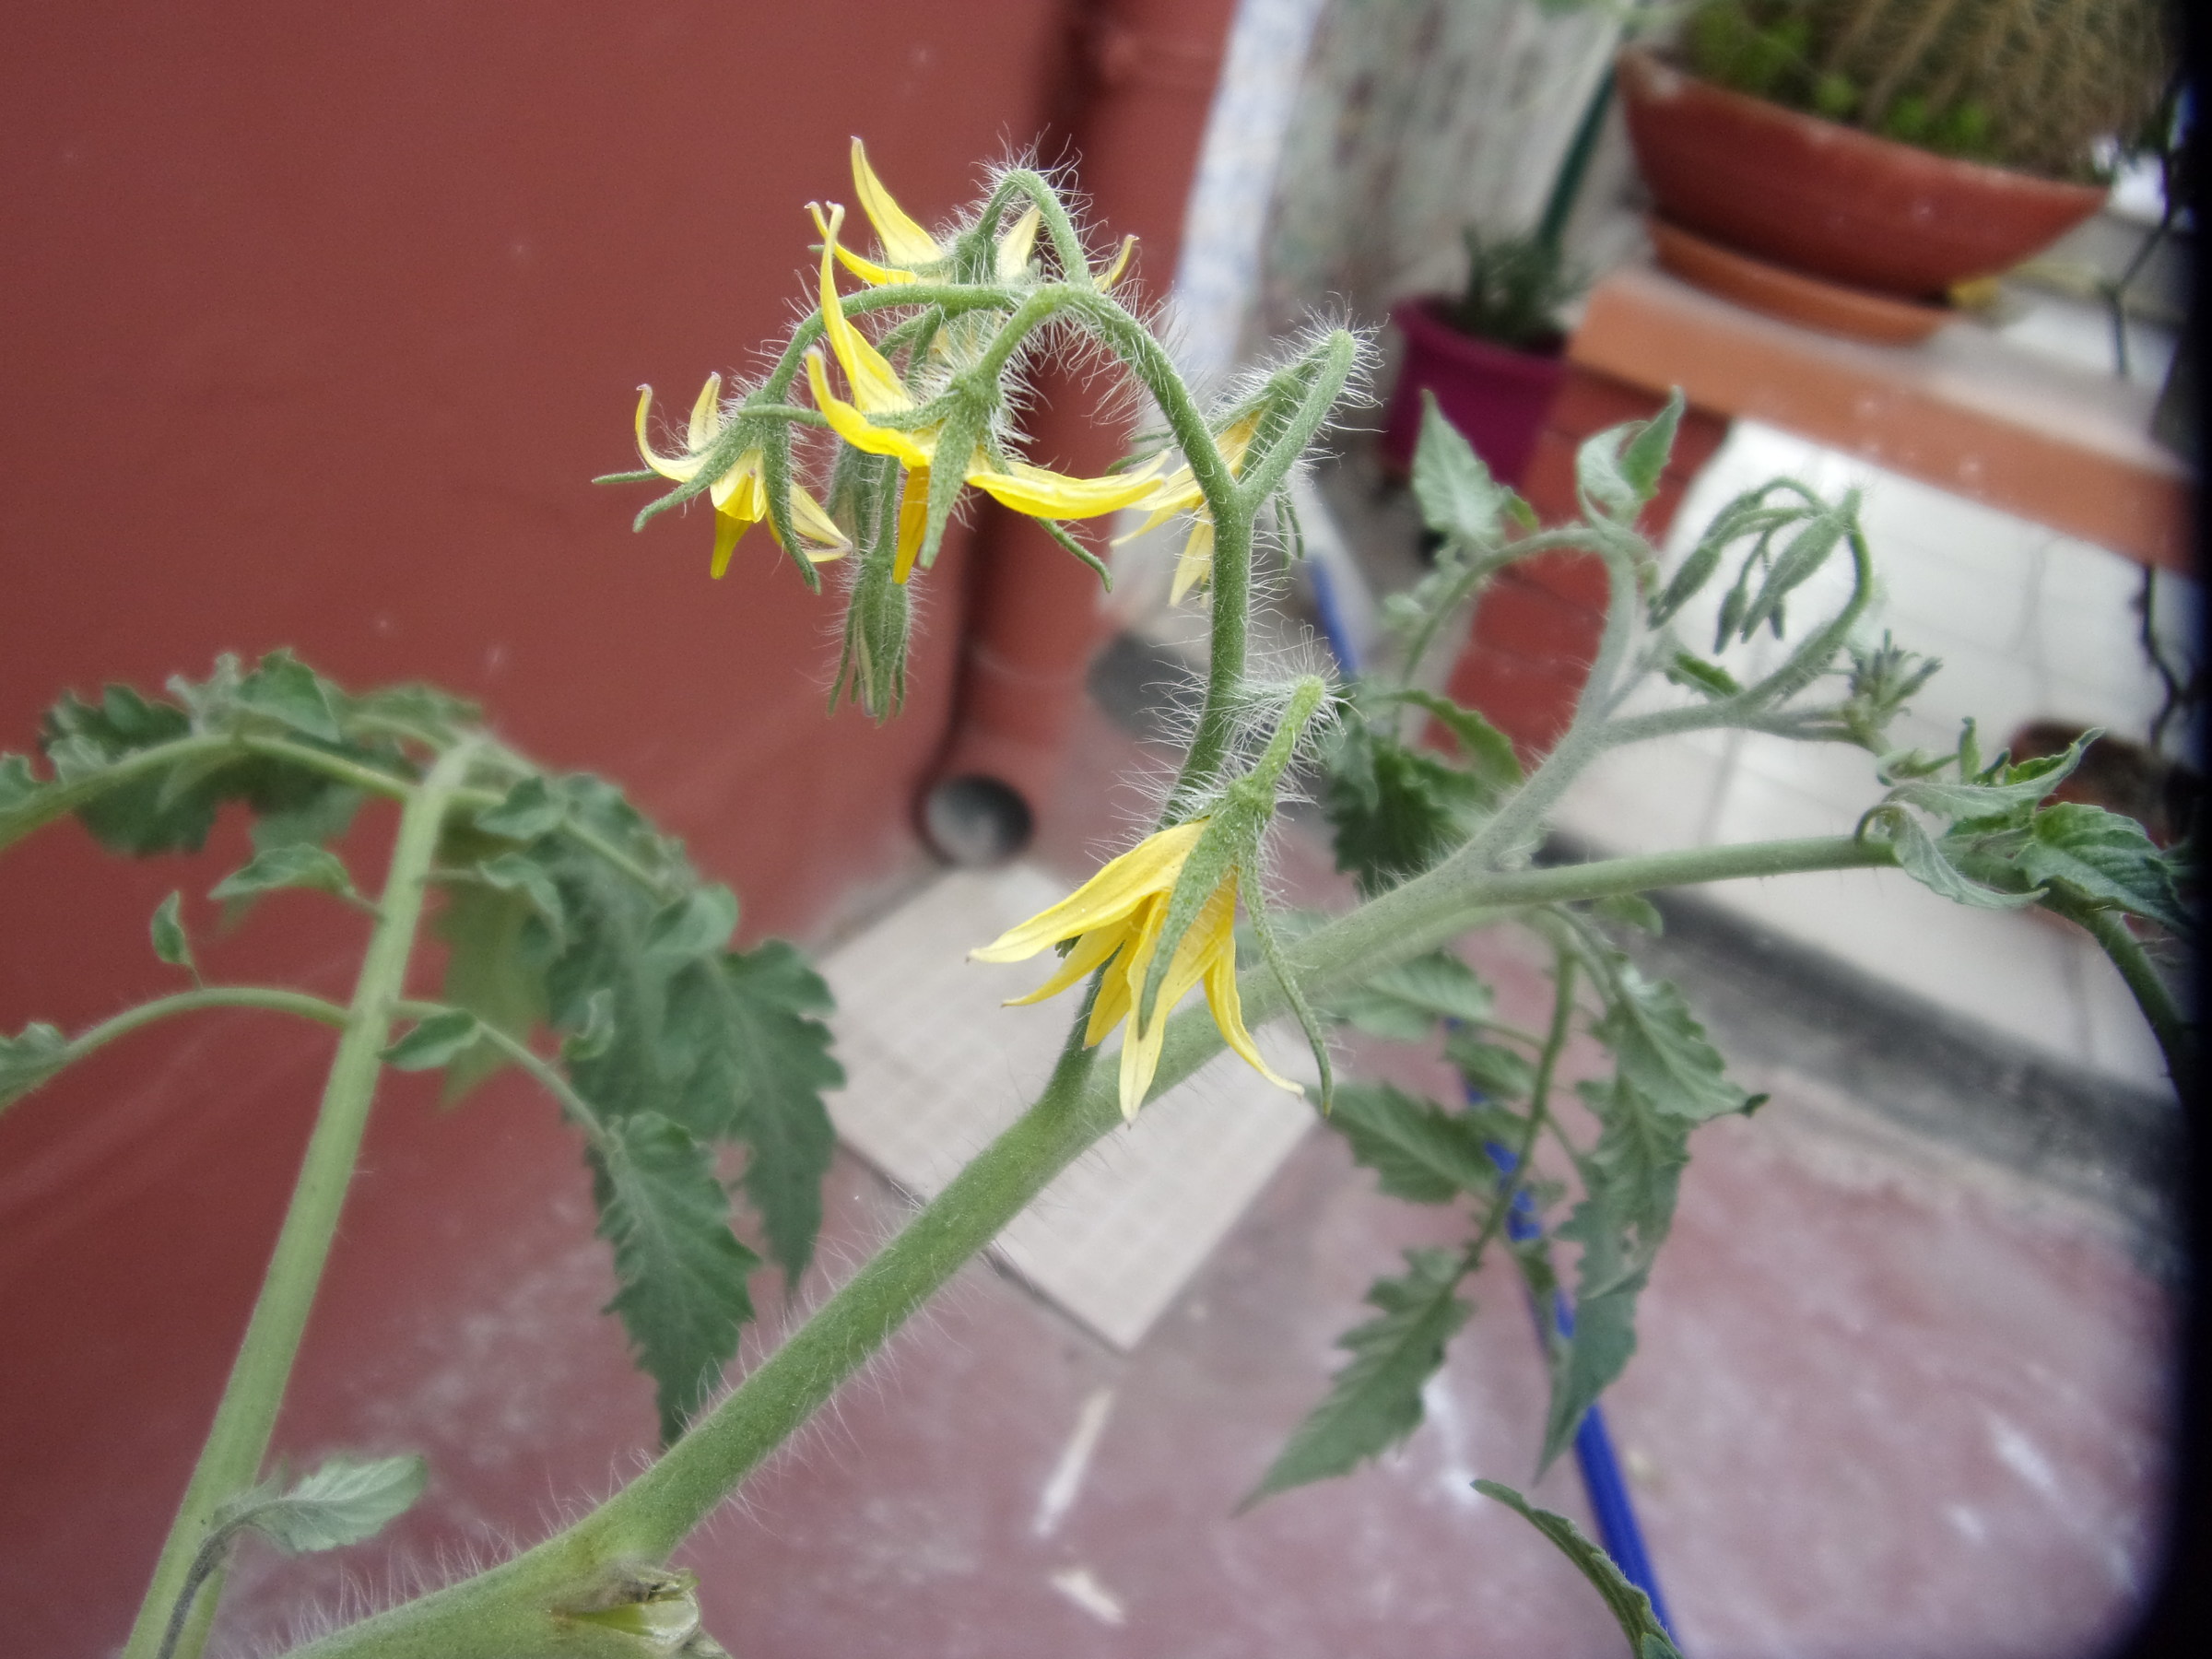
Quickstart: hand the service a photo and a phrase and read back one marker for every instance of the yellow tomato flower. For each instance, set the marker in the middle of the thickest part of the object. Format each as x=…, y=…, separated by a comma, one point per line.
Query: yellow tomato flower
x=1116, y=917
x=1179, y=492
x=740, y=495
x=908, y=247
x=878, y=390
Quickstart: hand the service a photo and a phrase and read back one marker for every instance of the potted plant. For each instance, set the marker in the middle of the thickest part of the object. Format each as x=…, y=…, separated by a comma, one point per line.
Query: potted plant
x=1491, y=356
x=1889, y=146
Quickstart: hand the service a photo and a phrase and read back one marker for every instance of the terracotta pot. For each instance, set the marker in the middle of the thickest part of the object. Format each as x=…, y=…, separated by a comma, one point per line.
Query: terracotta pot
x=1496, y=396
x=1832, y=200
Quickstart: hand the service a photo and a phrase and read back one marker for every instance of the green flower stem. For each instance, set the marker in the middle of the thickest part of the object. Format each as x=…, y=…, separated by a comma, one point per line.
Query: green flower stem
x=1067, y=247
x=94, y=1038
x=514, y=1608
x=2177, y=1038
x=1513, y=1180
x=239, y=1436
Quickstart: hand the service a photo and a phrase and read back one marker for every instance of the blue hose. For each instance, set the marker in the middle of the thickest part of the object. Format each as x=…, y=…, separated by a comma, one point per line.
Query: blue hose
x=1610, y=1505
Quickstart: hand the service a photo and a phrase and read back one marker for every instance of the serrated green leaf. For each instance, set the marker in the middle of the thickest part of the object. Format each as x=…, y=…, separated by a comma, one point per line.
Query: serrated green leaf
x=2004, y=797
x=1919, y=857
x=1418, y=1150
x=344, y=1501
x=423, y=709
x=171, y=944
x=1499, y=1073
x=1375, y=1401
x=1617, y=470
x=2107, y=860
x=531, y=809
x=139, y=818
x=683, y=1297
x=435, y=1041
x=1636, y=1165
x=1489, y=752
x=1457, y=495
x=290, y=693
x=1630, y=1607
x=1660, y=1048
x=1405, y=1002
x=29, y=1058
x=1394, y=810
x=1630, y=909
x=296, y=864
x=1586, y=1362
x=782, y=1065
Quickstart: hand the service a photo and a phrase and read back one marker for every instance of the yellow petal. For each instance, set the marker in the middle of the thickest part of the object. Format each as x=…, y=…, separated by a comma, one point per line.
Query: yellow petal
x=913, y=449
x=729, y=530
x=868, y=271
x=1195, y=563
x=903, y=239
x=913, y=521
x=811, y=522
x=1042, y=493
x=704, y=410
x=1212, y=932
x=739, y=490
x=876, y=387
x=1236, y=438
x=1113, y=1005
x=1149, y=867
x=1091, y=949
x=1229, y=1014
x=680, y=468
x=1121, y=264
x=1012, y=256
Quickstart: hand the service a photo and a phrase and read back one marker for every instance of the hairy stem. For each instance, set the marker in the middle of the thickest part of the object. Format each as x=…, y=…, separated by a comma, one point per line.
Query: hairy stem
x=239, y=1436
x=2162, y=1009
x=515, y=1607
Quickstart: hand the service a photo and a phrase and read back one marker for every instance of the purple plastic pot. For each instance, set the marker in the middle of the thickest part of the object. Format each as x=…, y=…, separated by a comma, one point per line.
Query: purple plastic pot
x=1497, y=397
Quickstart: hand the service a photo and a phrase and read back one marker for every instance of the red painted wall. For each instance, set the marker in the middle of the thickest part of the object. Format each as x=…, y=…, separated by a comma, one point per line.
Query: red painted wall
x=316, y=323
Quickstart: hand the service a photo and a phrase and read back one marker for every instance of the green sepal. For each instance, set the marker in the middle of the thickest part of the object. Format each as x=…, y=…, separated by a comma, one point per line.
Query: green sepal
x=1630, y=1607
x=776, y=484
x=1374, y=1401
x=1707, y=679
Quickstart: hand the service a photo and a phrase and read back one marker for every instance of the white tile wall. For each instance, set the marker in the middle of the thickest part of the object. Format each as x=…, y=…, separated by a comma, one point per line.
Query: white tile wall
x=2030, y=625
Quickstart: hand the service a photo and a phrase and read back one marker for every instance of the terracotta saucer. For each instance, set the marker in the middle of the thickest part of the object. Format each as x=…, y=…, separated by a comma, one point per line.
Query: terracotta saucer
x=1792, y=296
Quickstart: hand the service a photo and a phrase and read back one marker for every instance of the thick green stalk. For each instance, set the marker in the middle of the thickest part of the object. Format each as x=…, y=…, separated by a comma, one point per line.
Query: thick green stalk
x=239, y=1437
x=513, y=1608
x=2162, y=1011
